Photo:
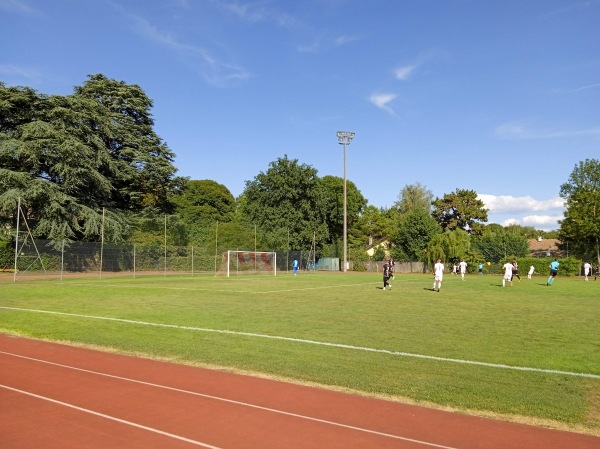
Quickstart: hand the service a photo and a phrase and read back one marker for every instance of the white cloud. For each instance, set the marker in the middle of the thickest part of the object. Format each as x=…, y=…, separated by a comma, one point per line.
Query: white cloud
x=343, y=40
x=515, y=130
x=214, y=71
x=542, y=221
x=257, y=12
x=404, y=73
x=506, y=204
x=18, y=75
x=589, y=86
x=524, y=211
x=382, y=100
x=17, y=6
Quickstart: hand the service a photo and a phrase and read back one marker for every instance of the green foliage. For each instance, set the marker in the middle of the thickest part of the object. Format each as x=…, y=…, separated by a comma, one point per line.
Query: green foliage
x=413, y=197
x=372, y=225
x=497, y=243
x=379, y=254
x=287, y=203
x=415, y=231
x=581, y=225
x=206, y=201
x=7, y=255
x=333, y=194
x=358, y=256
x=78, y=163
x=449, y=247
x=460, y=210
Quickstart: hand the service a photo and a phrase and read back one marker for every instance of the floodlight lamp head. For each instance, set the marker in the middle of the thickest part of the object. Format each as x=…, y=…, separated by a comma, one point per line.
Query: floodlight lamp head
x=345, y=137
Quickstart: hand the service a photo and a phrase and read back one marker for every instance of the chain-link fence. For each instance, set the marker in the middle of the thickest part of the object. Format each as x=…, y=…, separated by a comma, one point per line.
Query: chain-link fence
x=44, y=257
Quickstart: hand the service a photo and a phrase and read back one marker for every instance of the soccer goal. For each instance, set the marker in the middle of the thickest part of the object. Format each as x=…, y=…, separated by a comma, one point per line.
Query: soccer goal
x=249, y=262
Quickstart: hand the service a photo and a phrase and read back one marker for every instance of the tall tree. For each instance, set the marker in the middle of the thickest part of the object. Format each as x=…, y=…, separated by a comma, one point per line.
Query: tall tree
x=412, y=197
x=460, y=210
x=68, y=158
x=205, y=201
x=581, y=226
x=449, y=246
x=415, y=231
x=496, y=243
x=287, y=202
x=141, y=164
x=333, y=194
x=372, y=225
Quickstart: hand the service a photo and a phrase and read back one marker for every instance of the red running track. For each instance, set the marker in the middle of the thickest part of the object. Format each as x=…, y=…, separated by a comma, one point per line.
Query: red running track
x=58, y=396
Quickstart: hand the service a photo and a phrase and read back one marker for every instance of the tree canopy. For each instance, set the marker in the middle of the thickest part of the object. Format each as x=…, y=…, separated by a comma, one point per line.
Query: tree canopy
x=333, y=193
x=205, y=201
x=460, y=210
x=580, y=228
x=288, y=203
x=66, y=158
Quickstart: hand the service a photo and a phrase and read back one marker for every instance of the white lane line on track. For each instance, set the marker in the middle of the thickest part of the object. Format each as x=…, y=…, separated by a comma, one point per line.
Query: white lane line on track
x=230, y=401
x=320, y=343
x=112, y=418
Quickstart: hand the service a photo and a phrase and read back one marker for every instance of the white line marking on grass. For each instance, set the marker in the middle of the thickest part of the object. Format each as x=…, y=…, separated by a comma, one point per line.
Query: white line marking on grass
x=112, y=418
x=314, y=342
x=217, y=398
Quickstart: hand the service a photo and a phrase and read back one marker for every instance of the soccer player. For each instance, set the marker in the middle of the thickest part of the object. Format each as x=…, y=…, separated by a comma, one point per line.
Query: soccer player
x=438, y=273
x=387, y=272
x=530, y=273
x=553, y=272
x=508, y=270
x=295, y=266
x=480, y=268
x=587, y=269
x=463, y=269
x=515, y=270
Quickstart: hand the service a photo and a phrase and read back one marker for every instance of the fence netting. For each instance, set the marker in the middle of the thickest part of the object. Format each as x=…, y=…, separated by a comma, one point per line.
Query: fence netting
x=35, y=257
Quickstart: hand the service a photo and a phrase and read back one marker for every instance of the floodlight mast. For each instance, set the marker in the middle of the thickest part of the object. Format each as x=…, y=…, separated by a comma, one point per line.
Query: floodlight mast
x=344, y=138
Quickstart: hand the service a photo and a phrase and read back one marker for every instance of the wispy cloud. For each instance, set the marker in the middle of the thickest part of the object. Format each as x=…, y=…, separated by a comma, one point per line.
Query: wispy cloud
x=405, y=72
x=324, y=44
x=516, y=130
x=258, y=11
x=214, y=71
x=18, y=7
x=14, y=71
x=573, y=7
x=589, y=86
x=343, y=40
x=382, y=101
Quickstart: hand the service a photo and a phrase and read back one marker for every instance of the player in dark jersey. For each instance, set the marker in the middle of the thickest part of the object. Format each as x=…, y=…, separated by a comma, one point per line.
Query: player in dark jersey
x=387, y=272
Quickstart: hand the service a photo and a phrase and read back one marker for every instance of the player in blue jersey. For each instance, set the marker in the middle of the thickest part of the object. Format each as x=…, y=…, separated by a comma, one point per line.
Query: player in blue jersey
x=553, y=272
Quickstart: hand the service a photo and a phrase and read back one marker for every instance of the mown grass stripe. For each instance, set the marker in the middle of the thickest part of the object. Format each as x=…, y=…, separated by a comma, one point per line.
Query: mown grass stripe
x=313, y=342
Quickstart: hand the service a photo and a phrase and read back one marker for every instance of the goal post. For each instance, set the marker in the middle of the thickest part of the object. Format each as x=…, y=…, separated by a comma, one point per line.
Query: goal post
x=236, y=263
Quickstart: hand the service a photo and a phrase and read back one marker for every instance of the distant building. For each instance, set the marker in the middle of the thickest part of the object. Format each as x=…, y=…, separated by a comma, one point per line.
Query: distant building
x=382, y=244
x=544, y=247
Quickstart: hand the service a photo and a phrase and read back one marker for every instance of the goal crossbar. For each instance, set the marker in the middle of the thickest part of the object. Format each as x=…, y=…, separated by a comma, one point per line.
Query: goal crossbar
x=241, y=262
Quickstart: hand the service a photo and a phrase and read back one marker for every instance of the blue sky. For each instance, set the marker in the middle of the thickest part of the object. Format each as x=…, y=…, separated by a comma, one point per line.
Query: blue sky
x=497, y=96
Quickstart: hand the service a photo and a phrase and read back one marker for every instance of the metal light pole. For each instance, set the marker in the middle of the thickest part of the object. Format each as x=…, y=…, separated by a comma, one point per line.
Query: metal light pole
x=345, y=137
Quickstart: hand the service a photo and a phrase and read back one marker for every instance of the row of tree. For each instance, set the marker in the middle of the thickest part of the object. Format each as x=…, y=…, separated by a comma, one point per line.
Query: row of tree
x=90, y=164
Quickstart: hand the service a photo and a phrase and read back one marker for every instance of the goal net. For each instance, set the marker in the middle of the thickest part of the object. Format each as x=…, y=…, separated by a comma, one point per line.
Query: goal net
x=248, y=262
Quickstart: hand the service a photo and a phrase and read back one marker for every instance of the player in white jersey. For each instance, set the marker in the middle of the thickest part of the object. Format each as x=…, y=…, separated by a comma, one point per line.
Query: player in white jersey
x=508, y=269
x=438, y=273
x=587, y=269
x=463, y=269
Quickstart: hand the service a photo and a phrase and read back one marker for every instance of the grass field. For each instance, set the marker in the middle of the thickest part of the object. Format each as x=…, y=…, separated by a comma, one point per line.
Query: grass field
x=528, y=353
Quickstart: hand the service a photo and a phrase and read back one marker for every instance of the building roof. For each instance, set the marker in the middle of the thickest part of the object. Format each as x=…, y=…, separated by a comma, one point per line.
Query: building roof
x=541, y=246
